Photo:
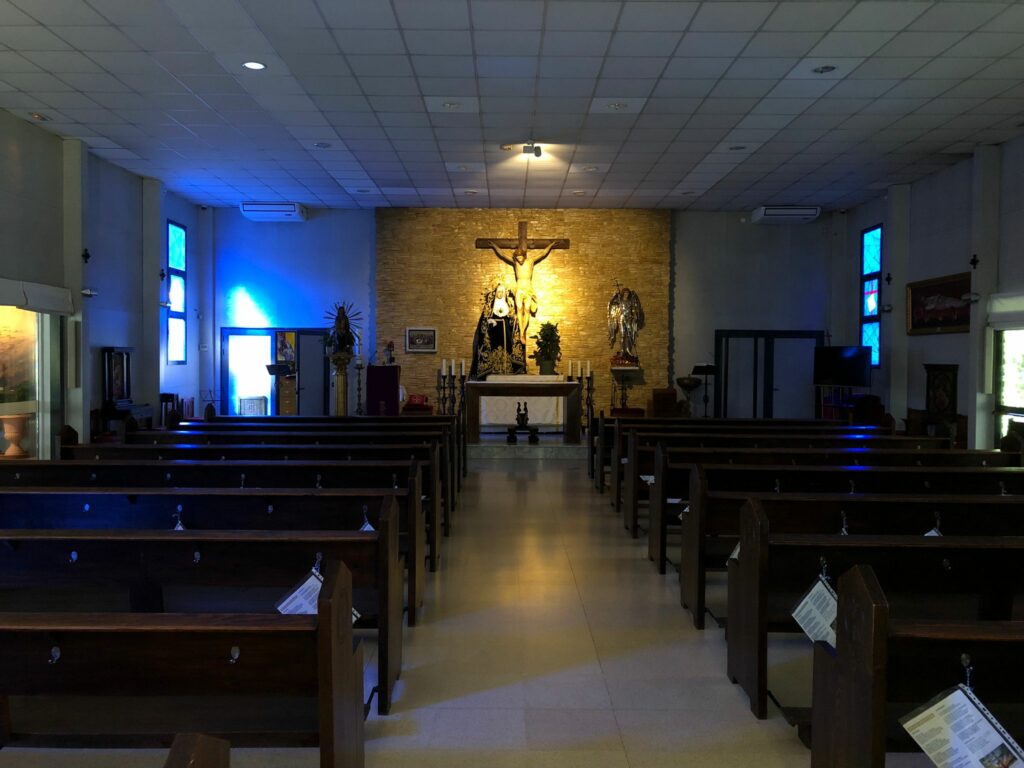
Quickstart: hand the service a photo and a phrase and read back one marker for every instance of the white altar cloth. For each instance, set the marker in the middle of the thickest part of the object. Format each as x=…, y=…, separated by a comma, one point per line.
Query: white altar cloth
x=501, y=411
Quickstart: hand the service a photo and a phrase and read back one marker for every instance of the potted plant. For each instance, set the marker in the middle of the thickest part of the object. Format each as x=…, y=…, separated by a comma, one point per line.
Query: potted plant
x=549, y=348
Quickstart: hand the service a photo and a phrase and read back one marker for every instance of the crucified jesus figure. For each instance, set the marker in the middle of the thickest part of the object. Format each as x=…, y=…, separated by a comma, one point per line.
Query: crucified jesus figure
x=522, y=263
x=517, y=254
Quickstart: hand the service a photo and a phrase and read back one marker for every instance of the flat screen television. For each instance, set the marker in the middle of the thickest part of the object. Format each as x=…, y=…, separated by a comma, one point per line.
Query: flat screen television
x=842, y=366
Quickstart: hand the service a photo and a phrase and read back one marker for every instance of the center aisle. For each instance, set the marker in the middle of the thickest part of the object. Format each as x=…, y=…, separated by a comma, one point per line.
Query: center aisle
x=549, y=639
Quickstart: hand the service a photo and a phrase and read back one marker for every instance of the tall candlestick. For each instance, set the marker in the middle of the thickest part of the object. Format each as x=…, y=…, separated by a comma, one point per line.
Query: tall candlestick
x=588, y=367
x=452, y=369
x=442, y=366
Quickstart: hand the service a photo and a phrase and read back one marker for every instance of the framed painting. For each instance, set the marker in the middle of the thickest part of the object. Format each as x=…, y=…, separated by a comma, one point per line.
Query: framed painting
x=940, y=389
x=117, y=375
x=939, y=305
x=421, y=340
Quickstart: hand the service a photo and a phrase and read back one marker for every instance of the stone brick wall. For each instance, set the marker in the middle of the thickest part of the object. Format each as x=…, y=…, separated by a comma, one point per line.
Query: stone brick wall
x=429, y=273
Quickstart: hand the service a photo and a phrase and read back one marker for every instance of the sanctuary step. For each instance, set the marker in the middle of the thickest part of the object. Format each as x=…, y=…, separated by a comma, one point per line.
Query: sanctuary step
x=494, y=446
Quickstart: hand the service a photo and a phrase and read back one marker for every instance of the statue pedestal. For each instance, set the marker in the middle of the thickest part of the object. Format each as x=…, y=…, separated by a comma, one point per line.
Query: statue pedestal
x=340, y=361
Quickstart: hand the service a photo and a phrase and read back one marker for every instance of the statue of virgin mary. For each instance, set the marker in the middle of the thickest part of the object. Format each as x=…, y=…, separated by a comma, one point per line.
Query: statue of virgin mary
x=497, y=347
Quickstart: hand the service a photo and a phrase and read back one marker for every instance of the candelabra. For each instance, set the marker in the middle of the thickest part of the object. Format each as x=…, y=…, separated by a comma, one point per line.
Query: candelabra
x=452, y=389
x=359, y=387
x=590, y=398
x=442, y=393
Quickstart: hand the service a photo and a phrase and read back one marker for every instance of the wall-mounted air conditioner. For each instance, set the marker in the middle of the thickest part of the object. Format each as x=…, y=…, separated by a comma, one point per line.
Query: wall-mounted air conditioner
x=785, y=214
x=273, y=211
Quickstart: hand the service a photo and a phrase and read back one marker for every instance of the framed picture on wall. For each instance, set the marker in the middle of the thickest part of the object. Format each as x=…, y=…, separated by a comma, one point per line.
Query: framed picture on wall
x=421, y=340
x=939, y=305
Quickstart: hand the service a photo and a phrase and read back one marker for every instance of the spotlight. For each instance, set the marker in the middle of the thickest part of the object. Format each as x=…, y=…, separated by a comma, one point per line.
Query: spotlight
x=529, y=148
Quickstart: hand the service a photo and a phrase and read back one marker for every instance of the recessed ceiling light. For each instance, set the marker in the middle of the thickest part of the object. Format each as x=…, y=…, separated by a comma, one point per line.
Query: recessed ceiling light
x=737, y=147
x=686, y=193
x=617, y=106
x=469, y=192
x=506, y=147
x=363, y=191
x=451, y=105
x=823, y=69
x=256, y=66
x=322, y=145
x=38, y=116
x=579, y=192
x=590, y=168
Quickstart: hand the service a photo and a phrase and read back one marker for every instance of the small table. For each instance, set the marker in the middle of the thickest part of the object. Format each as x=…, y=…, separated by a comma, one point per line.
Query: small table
x=525, y=390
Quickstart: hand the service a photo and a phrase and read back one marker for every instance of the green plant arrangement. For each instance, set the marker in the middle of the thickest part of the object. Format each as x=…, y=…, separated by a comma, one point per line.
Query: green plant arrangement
x=549, y=348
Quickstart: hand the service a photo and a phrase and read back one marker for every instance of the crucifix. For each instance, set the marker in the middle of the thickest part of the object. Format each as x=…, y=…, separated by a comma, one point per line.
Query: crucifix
x=516, y=253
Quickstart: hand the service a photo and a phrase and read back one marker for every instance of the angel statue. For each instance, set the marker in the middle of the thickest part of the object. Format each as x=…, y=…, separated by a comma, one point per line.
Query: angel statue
x=625, y=319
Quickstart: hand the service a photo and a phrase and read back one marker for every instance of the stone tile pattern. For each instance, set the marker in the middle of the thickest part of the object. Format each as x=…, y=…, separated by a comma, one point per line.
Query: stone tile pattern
x=430, y=274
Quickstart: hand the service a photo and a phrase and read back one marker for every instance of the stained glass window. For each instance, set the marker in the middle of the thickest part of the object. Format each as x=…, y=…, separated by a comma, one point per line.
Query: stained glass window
x=869, y=338
x=871, y=272
x=871, y=251
x=177, y=246
x=871, y=298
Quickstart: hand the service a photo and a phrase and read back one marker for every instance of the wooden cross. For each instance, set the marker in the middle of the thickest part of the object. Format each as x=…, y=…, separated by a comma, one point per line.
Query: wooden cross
x=523, y=242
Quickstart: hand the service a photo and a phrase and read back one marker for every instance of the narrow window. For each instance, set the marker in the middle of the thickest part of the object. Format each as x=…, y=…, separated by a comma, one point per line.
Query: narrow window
x=870, y=276
x=176, y=248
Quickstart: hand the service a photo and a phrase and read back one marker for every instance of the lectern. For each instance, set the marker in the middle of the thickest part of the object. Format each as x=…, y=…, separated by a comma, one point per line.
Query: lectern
x=382, y=389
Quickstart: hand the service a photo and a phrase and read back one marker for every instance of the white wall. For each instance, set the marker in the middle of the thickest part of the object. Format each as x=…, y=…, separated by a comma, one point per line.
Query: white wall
x=729, y=274
x=290, y=274
x=940, y=244
x=113, y=235
x=1011, y=262
x=31, y=207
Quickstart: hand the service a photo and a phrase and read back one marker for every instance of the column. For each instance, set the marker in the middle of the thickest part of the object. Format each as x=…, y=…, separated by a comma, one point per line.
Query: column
x=895, y=259
x=78, y=372
x=985, y=203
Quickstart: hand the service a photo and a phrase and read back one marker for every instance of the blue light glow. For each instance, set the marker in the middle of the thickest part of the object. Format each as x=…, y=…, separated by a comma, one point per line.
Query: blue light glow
x=244, y=312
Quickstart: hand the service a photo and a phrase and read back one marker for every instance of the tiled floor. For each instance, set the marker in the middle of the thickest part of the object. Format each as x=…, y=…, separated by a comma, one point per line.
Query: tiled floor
x=548, y=640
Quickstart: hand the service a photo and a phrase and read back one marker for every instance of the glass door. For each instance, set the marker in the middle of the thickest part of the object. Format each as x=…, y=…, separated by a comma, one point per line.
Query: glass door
x=247, y=387
x=1009, y=378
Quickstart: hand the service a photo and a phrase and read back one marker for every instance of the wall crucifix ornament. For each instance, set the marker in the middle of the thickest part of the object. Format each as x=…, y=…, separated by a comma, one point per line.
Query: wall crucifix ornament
x=517, y=254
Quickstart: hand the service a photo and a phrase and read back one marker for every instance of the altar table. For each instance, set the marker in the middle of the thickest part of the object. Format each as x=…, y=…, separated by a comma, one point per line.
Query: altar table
x=498, y=413
x=523, y=390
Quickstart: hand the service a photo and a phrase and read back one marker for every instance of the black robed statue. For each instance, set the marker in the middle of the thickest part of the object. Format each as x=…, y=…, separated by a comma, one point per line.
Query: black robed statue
x=497, y=347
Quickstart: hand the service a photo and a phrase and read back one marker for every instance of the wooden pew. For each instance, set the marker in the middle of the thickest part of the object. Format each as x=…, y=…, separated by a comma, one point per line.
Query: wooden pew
x=670, y=468
x=428, y=454
x=452, y=425
x=974, y=557
x=602, y=433
x=264, y=474
x=817, y=436
x=710, y=529
x=201, y=654
x=274, y=519
x=884, y=666
x=332, y=438
x=193, y=750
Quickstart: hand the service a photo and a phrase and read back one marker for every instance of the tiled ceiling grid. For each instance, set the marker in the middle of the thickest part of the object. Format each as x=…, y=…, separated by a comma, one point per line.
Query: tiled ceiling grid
x=712, y=105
